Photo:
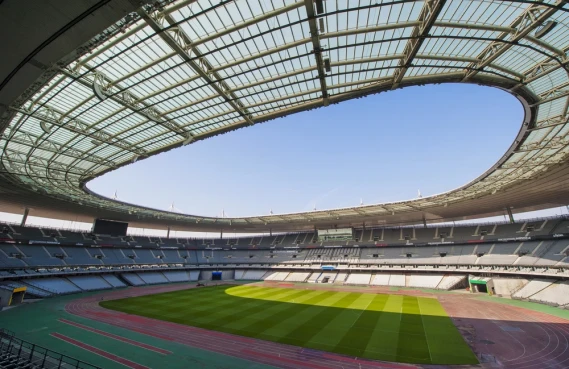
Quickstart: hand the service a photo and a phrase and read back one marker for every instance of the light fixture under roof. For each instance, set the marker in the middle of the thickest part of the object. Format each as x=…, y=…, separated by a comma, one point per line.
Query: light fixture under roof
x=319, y=6
x=188, y=141
x=45, y=127
x=545, y=28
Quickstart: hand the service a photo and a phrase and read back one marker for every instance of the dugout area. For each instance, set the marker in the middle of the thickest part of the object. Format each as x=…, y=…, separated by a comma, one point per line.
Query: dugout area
x=481, y=285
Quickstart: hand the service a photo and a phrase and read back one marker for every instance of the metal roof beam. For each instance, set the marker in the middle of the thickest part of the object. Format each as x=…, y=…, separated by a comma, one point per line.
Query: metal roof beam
x=551, y=122
x=275, y=78
x=551, y=144
x=307, y=92
x=429, y=13
x=41, y=162
x=542, y=69
x=530, y=19
x=304, y=41
x=555, y=93
x=50, y=116
x=214, y=36
x=28, y=139
x=179, y=42
x=127, y=99
x=253, y=21
x=372, y=60
x=317, y=48
x=360, y=212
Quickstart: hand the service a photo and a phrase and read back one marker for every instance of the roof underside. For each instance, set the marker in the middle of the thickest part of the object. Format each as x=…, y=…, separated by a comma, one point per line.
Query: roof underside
x=176, y=72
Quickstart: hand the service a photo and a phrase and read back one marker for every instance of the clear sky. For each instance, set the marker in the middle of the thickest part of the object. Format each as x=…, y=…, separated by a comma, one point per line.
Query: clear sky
x=380, y=148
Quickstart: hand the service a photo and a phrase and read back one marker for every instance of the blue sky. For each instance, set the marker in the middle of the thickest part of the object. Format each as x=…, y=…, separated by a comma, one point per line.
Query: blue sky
x=380, y=148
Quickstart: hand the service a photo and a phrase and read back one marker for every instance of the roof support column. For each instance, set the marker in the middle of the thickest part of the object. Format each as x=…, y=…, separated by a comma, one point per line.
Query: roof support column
x=510, y=215
x=25, y=217
x=309, y=4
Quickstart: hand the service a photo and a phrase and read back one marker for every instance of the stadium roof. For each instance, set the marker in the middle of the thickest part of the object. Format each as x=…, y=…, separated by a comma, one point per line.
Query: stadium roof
x=106, y=83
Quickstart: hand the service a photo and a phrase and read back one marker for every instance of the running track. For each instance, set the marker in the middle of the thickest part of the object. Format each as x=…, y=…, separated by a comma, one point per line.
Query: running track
x=503, y=336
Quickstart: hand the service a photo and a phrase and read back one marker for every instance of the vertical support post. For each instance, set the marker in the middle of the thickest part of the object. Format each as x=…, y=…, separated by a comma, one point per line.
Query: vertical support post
x=168, y=233
x=270, y=232
x=221, y=233
x=510, y=215
x=25, y=217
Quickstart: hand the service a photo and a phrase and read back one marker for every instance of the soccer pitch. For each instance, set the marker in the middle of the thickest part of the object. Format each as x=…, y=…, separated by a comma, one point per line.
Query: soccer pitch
x=373, y=326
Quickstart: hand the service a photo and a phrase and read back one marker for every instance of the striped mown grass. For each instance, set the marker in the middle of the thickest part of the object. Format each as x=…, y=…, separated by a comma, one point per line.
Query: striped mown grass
x=373, y=326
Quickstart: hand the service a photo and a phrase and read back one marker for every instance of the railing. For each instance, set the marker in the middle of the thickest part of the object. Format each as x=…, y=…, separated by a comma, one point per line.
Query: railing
x=25, y=352
x=475, y=224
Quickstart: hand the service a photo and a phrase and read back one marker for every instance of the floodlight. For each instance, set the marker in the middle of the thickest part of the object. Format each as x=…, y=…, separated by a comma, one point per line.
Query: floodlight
x=188, y=141
x=327, y=65
x=319, y=6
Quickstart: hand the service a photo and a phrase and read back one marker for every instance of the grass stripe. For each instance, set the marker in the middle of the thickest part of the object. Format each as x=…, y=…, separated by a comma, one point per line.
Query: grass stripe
x=375, y=326
x=385, y=337
x=354, y=342
x=302, y=335
x=412, y=344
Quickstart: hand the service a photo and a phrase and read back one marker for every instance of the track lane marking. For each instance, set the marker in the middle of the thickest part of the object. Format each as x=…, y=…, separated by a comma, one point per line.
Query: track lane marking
x=103, y=353
x=118, y=338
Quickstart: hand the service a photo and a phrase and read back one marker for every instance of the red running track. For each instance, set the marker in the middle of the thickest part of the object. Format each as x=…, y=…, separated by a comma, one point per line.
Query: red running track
x=502, y=336
x=103, y=353
x=118, y=338
x=509, y=336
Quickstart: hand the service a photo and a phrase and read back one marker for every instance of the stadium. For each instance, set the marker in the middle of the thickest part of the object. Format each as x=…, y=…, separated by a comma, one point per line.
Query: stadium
x=89, y=87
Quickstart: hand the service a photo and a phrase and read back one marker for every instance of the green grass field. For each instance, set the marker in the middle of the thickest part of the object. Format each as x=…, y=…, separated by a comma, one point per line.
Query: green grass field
x=374, y=326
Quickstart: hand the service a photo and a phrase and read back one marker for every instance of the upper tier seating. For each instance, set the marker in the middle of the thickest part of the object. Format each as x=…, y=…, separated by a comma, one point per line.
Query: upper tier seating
x=402, y=235
x=520, y=253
